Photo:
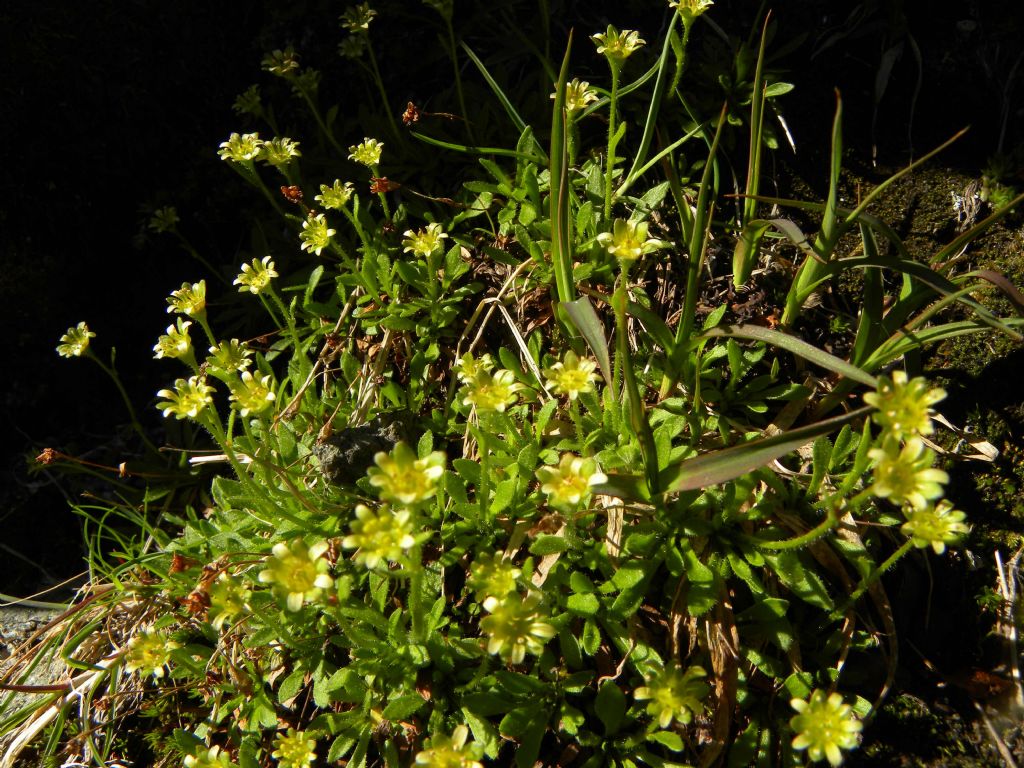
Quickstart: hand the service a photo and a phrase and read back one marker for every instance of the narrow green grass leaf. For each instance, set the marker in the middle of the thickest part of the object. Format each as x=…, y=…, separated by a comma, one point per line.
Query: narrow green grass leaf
x=797, y=346
x=729, y=463
x=583, y=316
x=514, y=116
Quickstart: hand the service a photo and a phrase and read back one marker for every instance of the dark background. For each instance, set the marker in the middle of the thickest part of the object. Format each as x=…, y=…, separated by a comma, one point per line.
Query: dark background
x=110, y=109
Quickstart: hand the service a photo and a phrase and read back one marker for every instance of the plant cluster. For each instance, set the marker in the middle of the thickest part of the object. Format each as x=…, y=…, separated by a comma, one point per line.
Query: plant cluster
x=475, y=495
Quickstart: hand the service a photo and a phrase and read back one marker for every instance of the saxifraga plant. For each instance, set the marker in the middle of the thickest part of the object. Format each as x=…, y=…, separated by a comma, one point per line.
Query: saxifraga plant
x=454, y=530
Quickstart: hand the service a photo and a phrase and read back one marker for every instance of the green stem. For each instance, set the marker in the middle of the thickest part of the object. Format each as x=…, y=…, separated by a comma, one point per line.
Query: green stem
x=610, y=158
x=416, y=595
x=211, y=420
x=453, y=54
x=484, y=488
x=831, y=521
x=637, y=412
x=328, y=134
x=383, y=93
x=201, y=319
x=871, y=578
x=111, y=372
x=574, y=412
x=288, y=318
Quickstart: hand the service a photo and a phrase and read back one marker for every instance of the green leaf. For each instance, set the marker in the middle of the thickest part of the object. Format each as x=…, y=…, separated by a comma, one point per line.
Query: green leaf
x=504, y=494
x=340, y=747
x=610, y=706
x=729, y=463
x=548, y=545
x=484, y=734
x=311, y=284
x=291, y=686
x=402, y=707
x=570, y=648
x=702, y=590
x=583, y=316
x=468, y=470
x=669, y=739
x=797, y=347
x=518, y=121
x=586, y=605
x=580, y=583
x=800, y=578
x=591, y=637
x=487, y=703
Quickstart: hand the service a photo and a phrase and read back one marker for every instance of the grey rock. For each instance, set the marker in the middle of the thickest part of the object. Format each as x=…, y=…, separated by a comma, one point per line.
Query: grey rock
x=346, y=455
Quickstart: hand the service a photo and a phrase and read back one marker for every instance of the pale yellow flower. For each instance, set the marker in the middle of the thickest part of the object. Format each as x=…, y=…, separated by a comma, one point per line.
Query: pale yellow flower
x=298, y=573
x=935, y=526
x=616, y=45
x=450, y=751
x=368, y=152
x=515, y=627
x=149, y=653
x=569, y=483
x=294, y=749
x=493, y=392
x=825, y=726
x=75, y=341
x=904, y=407
x=628, y=240
x=315, y=234
x=424, y=242
x=572, y=376
x=906, y=476
x=402, y=478
x=674, y=695
x=189, y=300
x=335, y=196
x=381, y=536
x=251, y=394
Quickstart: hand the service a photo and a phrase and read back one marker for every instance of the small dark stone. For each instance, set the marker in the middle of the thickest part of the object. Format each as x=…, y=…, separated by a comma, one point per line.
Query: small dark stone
x=346, y=455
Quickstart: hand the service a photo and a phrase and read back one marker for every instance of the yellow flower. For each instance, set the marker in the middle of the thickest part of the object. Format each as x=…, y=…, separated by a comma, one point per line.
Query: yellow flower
x=75, y=341
x=189, y=300
x=515, y=627
x=252, y=395
x=424, y=242
x=256, y=276
x=280, y=62
x=278, y=152
x=824, y=726
x=493, y=392
x=904, y=407
x=208, y=758
x=385, y=535
x=294, y=749
x=368, y=152
x=149, y=653
x=175, y=343
x=229, y=598
x=674, y=695
x=315, y=234
x=229, y=357
x=578, y=94
x=404, y=479
x=906, y=476
x=335, y=196
x=358, y=18
x=569, y=483
x=935, y=526
x=492, y=576
x=617, y=46
x=572, y=376
x=298, y=572
x=690, y=9
x=450, y=751
x=628, y=240
x=467, y=366
x=241, y=149
x=188, y=398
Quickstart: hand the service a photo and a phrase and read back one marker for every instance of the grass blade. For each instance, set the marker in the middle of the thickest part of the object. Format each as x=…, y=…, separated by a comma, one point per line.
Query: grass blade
x=729, y=463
